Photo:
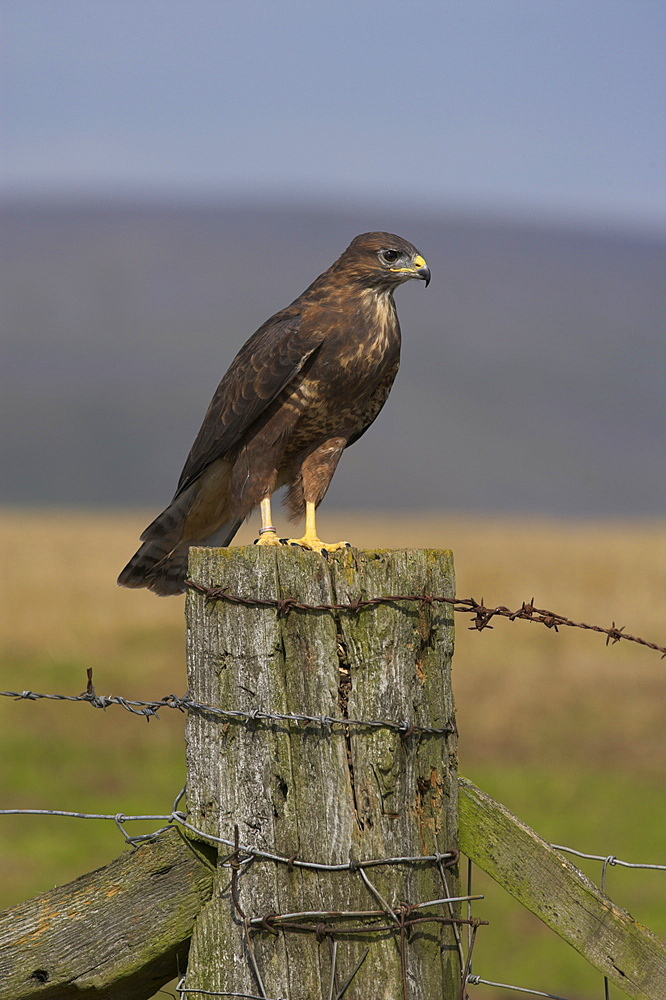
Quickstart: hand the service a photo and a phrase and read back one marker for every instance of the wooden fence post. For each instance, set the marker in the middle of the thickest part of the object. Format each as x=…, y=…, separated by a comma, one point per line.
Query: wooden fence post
x=330, y=793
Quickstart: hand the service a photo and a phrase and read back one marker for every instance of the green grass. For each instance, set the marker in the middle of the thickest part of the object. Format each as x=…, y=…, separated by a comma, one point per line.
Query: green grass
x=594, y=812
x=72, y=757
x=566, y=732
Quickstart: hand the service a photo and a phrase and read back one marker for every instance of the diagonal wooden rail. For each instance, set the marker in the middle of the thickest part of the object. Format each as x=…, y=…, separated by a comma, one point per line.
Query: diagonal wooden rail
x=544, y=881
x=124, y=930
x=121, y=931
x=342, y=793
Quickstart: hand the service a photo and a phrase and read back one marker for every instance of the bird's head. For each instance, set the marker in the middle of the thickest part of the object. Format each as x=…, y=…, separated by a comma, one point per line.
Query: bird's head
x=383, y=261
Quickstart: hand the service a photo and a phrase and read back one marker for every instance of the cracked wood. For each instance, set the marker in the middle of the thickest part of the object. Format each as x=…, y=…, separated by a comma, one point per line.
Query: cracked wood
x=317, y=794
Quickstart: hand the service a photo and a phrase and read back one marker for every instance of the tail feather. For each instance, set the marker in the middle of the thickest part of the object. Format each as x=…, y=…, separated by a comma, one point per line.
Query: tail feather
x=160, y=564
x=170, y=522
x=224, y=533
x=162, y=572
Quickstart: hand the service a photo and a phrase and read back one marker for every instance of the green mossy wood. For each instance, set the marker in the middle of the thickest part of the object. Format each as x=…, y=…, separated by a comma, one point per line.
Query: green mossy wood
x=116, y=933
x=318, y=793
x=555, y=890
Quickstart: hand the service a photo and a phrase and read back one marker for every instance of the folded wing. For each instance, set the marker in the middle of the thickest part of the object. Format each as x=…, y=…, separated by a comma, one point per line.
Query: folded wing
x=266, y=364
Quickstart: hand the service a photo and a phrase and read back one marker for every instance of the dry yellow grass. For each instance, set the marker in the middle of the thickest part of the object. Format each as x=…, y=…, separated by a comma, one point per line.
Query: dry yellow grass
x=519, y=687
x=568, y=732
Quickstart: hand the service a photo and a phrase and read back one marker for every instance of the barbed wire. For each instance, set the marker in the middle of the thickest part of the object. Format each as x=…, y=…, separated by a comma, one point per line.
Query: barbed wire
x=324, y=923
x=150, y=710
x=481, y=615
x=293, y=921
x=327, y=923
x=321, y=923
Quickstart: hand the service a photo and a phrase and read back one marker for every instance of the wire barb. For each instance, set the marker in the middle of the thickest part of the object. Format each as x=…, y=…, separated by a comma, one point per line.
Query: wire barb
x=481, y=615
x=150, y=709
x=397, y=919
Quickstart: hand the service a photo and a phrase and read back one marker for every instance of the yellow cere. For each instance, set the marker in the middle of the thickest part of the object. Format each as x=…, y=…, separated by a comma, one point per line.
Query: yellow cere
x=419, y=262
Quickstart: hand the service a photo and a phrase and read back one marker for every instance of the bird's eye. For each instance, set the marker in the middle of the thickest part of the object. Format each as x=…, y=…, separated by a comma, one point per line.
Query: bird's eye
x=390, y=256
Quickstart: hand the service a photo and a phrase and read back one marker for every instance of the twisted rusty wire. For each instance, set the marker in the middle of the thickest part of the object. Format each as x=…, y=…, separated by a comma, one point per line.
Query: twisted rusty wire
x=481, y=615
x=150, y=709
x=403, y=916
x=319, y=922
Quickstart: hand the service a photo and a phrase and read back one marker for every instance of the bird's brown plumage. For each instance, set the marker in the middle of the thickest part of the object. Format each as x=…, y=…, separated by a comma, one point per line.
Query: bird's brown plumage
x=303, y=388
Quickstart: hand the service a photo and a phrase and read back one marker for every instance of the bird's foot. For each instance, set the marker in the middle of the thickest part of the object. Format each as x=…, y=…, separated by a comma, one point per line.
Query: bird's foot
x=268, y=536
x=315, y=544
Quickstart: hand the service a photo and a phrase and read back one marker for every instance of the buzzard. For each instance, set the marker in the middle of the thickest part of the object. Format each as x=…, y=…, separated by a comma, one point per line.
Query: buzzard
x=303, y=388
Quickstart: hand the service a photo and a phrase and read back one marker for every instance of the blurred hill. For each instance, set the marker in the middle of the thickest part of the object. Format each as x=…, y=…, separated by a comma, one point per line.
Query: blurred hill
x=532, y=376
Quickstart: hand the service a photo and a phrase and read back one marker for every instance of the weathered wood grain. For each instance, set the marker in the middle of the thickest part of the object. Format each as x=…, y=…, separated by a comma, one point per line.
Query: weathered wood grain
x=116, y=933
x=555, y=890
x=316, y=794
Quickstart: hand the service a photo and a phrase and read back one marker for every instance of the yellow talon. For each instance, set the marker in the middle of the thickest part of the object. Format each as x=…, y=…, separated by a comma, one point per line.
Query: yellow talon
x=310, y=539
x=315, y=544
x=267, y=538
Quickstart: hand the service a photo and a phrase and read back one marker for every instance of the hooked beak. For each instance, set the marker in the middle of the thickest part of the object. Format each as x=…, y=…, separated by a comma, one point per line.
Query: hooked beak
x=419, y=269
x=424, y=274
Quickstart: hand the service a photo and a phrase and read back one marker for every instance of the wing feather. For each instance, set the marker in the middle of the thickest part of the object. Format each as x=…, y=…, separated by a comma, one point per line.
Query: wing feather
x=263, y=367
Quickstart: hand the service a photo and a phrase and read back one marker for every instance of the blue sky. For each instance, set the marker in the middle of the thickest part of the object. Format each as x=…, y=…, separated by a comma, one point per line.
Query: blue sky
x=548, y=108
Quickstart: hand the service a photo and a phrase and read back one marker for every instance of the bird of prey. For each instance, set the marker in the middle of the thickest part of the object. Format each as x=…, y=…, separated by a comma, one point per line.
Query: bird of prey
x=303, y=388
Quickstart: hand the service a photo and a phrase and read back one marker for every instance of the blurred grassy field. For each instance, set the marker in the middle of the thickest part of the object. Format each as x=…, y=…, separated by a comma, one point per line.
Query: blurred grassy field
x=568, y=733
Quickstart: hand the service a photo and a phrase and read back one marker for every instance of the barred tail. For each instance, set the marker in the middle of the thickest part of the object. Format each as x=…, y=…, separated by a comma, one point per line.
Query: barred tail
x=161, y=562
